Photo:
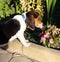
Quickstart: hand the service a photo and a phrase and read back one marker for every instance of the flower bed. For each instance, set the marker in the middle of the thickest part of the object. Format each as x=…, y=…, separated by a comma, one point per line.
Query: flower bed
x=48, y=37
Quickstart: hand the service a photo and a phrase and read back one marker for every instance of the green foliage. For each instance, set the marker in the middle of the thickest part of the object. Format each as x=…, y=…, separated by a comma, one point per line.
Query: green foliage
x=50, y=7
x=9, y=7
x=17, y=6
x=33, y=36
x=5, y=10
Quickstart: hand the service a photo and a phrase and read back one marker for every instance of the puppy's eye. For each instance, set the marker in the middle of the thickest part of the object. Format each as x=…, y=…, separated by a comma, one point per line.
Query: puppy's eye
x=36, y=14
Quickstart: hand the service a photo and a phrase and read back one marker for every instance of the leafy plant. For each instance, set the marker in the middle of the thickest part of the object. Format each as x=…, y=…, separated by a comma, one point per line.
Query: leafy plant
x=5, y=10
x=9, y=7
x=17, y=6
x=50, y=7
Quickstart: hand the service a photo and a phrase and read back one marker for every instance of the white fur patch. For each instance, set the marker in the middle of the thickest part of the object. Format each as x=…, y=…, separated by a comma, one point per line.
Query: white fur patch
x=20, y=33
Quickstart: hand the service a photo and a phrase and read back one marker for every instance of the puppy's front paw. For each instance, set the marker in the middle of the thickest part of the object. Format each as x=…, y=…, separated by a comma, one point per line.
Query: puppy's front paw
x=27, y=44
x=27, y=41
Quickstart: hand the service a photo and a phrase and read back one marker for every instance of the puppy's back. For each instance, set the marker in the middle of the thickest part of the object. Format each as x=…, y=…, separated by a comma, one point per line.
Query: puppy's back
x=3, y=38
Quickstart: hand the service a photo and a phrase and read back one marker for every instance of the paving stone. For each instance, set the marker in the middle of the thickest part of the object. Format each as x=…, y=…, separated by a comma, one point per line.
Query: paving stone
x=5, y=57
x=2, y=51
x=20, y=59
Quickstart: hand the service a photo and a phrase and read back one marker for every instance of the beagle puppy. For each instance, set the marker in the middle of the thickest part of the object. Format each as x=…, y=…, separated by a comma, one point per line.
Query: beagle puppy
x=15, y=27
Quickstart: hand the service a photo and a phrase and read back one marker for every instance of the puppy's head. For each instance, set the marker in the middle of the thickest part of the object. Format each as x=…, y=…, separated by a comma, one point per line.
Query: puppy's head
x=33, y=20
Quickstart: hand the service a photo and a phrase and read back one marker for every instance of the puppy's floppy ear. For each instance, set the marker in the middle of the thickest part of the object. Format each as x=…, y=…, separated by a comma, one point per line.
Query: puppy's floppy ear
x=30, y=23
x=35, y=14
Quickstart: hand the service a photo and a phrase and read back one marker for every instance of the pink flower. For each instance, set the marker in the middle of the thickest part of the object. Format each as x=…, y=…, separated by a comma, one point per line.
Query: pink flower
x=43, y=39
x=54, y=32
x=49, y=26
x=47, y=35
x=59, y=29
x=52, y=27
x=51, y=41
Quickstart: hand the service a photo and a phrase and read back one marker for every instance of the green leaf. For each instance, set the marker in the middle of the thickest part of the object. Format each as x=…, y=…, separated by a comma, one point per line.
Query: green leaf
x=53, y=5
x=48, y=3
x=50, y=7
x=1, y=13
x=49, y=45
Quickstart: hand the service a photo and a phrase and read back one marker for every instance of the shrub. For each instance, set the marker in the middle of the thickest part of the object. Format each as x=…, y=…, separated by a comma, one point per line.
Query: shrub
x=9, y=7
x=5, y=10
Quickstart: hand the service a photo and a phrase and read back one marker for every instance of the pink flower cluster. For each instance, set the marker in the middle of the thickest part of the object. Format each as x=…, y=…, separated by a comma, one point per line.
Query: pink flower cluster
x=51, y=41
x=50, y=36
x=45, y=37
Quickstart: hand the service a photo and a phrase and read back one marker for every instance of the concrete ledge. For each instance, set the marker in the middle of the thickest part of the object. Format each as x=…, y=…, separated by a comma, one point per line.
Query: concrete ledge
x=37, y=52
